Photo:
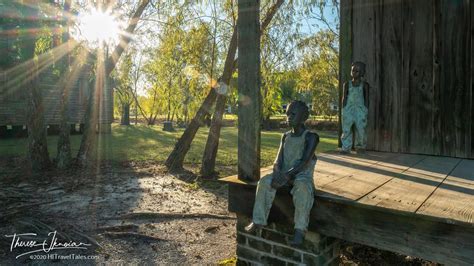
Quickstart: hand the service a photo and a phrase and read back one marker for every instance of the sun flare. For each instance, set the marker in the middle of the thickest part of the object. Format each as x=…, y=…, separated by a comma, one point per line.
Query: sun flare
x=97, y=27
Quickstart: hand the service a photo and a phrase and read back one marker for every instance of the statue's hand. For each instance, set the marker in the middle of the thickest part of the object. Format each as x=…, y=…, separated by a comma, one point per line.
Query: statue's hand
x=279, y=180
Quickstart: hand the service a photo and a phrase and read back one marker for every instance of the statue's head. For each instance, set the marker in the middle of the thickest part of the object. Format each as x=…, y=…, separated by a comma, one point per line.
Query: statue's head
x=357, y=69
x=296, y=113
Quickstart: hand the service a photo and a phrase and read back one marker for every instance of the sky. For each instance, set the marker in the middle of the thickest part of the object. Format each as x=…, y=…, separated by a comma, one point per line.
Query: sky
x=312, y=25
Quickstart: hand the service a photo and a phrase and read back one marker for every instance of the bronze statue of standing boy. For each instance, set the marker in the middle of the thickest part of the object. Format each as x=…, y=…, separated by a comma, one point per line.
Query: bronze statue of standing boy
x=355, y=102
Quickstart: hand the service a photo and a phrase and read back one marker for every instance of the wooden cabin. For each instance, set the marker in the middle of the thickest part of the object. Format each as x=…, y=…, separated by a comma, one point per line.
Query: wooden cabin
x=14, y=82
x=13, y=100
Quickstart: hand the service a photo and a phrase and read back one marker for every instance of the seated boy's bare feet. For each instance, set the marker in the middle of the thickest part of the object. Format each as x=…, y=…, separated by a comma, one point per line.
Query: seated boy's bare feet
x=252, y=227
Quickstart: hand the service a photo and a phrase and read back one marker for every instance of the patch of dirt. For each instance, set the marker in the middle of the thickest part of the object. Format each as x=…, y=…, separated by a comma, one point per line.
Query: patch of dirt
x=128, y=215
x=132, y=213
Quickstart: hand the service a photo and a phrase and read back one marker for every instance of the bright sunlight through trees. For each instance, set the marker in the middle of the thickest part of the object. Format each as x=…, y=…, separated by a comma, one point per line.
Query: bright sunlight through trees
x=97, y=27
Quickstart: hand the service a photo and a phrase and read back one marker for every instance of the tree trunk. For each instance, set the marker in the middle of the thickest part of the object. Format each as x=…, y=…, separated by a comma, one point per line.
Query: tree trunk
x=172, y=115
x=125, y=120
x=64, y=157
x=136, y=112
x=185, y=119
x=38, y=155
x=88, y=149
x=212, y=144
x=176, y=158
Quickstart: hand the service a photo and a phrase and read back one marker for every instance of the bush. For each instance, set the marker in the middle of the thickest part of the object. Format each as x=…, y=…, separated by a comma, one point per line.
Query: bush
x=322, y=125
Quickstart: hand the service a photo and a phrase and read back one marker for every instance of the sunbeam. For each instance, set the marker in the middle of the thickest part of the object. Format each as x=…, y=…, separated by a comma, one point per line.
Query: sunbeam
x=22, y=73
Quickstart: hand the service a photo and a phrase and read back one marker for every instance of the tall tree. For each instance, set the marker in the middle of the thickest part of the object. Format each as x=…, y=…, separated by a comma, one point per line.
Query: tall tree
x=319, y=71
x=176, y=158
x=37, y=144
x=86, y=153
x=64, y=157
x=122, y=84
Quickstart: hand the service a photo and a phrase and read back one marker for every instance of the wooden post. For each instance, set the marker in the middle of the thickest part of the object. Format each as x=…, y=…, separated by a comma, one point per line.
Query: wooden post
x=471, y=92
x=250, y=107
x=345, y=53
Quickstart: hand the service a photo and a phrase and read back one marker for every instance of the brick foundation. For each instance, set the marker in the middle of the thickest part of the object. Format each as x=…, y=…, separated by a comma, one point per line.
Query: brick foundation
x=270, y=246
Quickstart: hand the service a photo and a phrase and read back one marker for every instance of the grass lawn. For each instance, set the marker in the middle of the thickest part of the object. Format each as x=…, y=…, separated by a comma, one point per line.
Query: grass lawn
x=144, y=143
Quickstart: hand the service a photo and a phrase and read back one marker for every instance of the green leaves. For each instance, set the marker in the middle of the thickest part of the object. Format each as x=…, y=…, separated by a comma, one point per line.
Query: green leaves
x=318, y=74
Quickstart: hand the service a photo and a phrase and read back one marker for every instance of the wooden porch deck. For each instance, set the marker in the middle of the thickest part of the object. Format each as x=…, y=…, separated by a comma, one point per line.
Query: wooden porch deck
x=416, y=205
x=441, y=187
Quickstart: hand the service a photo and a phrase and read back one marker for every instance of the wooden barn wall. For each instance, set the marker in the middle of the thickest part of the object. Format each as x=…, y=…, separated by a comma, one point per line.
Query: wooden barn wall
x=420, y=68
x=13, y=99
x=472, y=79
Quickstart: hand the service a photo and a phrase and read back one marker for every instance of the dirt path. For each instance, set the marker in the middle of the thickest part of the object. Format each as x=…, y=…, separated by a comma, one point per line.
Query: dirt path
x=127, y=215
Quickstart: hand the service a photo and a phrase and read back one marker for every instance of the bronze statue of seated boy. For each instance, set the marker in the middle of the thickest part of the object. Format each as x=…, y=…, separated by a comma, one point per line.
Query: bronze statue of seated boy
x=294, y=166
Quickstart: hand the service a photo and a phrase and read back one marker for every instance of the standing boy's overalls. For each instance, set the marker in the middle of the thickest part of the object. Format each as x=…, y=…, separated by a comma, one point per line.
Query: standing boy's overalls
x=354, y=113
x=303, y=186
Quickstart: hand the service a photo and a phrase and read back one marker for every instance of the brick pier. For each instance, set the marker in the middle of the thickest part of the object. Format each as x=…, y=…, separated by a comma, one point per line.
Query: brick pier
x=270, y=246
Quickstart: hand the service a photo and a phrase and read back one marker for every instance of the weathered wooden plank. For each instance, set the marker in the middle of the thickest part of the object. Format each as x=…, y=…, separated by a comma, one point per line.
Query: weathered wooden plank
x=364, y=43
x=380, y=121
x=330, y=168
x=465, y=115
x=437, y=136
x=366, y=179
x=418, y=53
x=368, y=158
x=345, y=53
x=234, y=178
x=402, y=161
x=418, y=236
x=454, y=199
x=355, y=186
x=438, y=167
x=407, y=190
x=454, y=26
x=471, y=91
x=250, y=98
x=388, y=119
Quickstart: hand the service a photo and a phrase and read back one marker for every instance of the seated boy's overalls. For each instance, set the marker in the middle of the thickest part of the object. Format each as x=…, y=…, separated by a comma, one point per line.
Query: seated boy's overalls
x=303, y=185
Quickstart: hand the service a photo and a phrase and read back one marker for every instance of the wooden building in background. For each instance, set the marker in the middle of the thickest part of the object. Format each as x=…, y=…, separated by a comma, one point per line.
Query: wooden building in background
x=15, y=44
x=420, y=65
x=13, y=98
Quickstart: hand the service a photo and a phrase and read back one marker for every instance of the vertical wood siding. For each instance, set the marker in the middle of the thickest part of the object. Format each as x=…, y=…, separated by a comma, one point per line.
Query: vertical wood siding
x=13, y=99
x=420, y=67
